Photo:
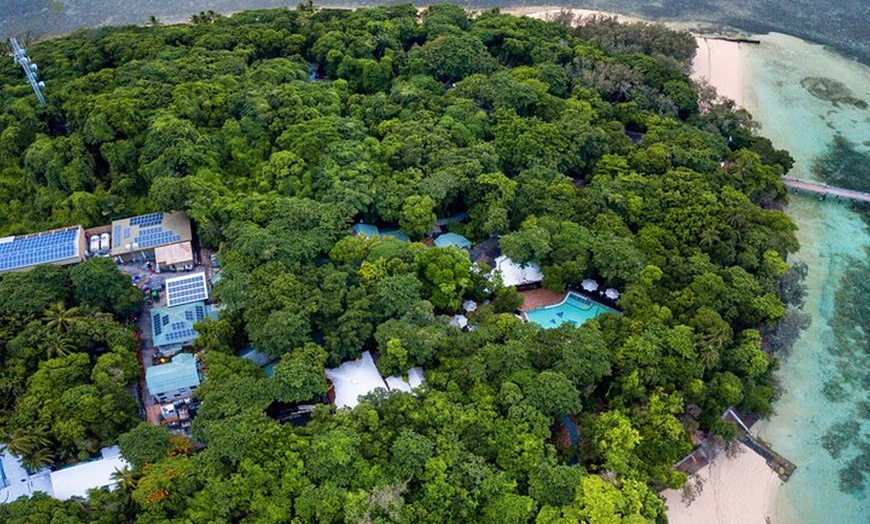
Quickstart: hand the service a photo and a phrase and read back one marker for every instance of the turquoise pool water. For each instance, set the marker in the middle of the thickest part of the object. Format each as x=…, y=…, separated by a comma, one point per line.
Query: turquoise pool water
x=574, y=310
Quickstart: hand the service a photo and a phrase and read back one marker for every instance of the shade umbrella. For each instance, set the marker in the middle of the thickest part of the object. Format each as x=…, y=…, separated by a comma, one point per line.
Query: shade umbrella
x=459, y=321
x=612, y=294
x=589, y=285
x=469, y=305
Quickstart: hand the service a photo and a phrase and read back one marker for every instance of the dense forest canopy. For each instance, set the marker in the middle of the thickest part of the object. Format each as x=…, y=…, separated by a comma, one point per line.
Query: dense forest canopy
x=586, y=150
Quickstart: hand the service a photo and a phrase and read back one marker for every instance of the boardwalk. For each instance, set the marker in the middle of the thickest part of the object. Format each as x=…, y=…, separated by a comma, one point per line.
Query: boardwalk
x=824, y=190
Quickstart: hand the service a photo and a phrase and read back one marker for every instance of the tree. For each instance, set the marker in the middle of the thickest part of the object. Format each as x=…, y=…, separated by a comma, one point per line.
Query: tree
x=99, y=284
x=553, y=394
x=145, y=444
x=445, y=275
x=417, y=216
x=282, y=331
x=60, y=319
x=299, y=376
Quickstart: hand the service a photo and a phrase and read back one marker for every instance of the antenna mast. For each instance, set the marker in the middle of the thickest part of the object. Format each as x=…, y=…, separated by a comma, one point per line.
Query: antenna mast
x=18, y=54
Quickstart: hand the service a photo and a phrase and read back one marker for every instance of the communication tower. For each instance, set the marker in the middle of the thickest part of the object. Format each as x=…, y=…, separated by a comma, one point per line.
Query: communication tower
x=21, y=58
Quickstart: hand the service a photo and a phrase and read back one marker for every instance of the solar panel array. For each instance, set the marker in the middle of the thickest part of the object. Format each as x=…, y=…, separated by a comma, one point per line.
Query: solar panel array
x=153, y=219
x=39, y=249
x=183, y=334
x=155, y=236
x=173, y=326
x=183, y=290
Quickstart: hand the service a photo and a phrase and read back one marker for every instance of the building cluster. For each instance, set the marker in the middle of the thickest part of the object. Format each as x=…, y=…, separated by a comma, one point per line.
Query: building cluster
x=161, y=238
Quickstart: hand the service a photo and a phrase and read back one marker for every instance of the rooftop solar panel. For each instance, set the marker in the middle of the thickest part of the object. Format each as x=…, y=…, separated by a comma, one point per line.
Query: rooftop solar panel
x=42, y=248
x=183, y=290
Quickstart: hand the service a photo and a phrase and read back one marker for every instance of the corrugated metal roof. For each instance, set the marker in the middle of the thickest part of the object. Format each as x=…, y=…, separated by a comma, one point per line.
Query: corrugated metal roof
x=179, y=374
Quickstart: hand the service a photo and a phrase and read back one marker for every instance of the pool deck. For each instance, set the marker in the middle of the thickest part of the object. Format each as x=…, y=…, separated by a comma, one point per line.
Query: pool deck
x=538, y=298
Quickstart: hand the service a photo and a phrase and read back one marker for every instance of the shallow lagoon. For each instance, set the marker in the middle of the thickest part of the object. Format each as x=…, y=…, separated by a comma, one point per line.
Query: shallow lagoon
x=833, y=239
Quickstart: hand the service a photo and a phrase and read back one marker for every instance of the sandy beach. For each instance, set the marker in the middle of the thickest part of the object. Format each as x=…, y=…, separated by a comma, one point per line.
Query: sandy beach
x=736, y=490
x=721, y=64
x=545, y=12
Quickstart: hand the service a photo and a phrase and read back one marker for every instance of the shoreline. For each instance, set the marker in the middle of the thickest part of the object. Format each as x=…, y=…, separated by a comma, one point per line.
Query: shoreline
x=736, y=488
x=722, y=64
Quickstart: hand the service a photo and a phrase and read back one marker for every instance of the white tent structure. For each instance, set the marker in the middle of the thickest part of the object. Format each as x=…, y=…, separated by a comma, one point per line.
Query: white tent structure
x=513, y=274
x=589, y=285
x=611, y=293
x=414, y=380
x=354, y=379
x=469, y=306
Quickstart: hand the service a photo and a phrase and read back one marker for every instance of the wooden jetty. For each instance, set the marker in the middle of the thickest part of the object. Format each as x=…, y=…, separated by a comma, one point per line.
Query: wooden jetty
x=779, y=464
x=824, y=190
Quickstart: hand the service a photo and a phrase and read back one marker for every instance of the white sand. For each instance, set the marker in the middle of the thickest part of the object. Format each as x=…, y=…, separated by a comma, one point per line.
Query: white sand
x=736, y=490
x=722, y=65
x=544, y=12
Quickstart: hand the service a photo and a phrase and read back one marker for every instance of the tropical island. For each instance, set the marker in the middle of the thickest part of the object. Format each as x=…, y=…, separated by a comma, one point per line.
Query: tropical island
x=374, y=201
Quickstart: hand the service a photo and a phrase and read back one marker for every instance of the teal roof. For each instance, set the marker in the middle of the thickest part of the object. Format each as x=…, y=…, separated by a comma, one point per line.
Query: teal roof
x=453, y=239
x=258, y=358
x=397, y=234
x=366, y=229
x=178, y=374
x=172, y=327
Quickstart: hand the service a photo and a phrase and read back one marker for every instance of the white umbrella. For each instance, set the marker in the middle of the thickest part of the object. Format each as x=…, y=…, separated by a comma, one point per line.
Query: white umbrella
x=612, y=294
x=459, y=321
x=469, y=305
x=589, y=285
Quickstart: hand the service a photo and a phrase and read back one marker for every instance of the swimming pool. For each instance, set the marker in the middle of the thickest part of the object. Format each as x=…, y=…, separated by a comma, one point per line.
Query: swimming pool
x=574, y=309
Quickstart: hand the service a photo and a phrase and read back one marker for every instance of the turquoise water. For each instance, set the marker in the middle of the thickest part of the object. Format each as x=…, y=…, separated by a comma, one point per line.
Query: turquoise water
x=821, y=417
x=575, y=310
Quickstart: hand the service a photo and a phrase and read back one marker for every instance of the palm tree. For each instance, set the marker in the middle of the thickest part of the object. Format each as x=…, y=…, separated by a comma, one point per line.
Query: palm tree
x=56, y=345
x=61, y=319
x=38, y=459
x=22, y=444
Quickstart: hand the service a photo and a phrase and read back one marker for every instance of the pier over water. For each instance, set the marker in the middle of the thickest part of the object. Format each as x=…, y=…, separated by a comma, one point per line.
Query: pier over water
x=823, y=190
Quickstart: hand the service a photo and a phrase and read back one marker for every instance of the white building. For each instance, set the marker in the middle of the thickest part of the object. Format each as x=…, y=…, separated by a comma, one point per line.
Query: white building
x=75, y=481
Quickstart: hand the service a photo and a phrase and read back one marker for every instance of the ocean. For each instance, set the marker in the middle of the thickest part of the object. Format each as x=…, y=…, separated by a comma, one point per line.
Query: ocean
x=821, y=420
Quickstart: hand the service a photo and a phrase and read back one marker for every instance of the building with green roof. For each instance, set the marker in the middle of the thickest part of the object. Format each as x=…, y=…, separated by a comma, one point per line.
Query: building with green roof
x=172, y=327
x=452, y=239
x=173, y=381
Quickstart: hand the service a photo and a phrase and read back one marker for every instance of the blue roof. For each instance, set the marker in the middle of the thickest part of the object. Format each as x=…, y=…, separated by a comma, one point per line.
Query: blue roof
x=172, y=327
x=366, y=229
x=453, y=239
x=178, y=374
x=39, y=248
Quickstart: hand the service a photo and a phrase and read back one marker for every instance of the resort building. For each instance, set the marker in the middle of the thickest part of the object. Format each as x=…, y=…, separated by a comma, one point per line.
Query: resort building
x=516, y=275
x=76, y=481
x=356, y=378
x=174, y=380
x=369, y=230
x=172, y=327
x=407, y=384
x=138, y=237
x=452, y=239
x=60, y=246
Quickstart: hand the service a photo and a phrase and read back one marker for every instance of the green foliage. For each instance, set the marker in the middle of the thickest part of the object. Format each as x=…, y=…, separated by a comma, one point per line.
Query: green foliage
x=518, y=123
x=145, y=444
x=98, y=283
